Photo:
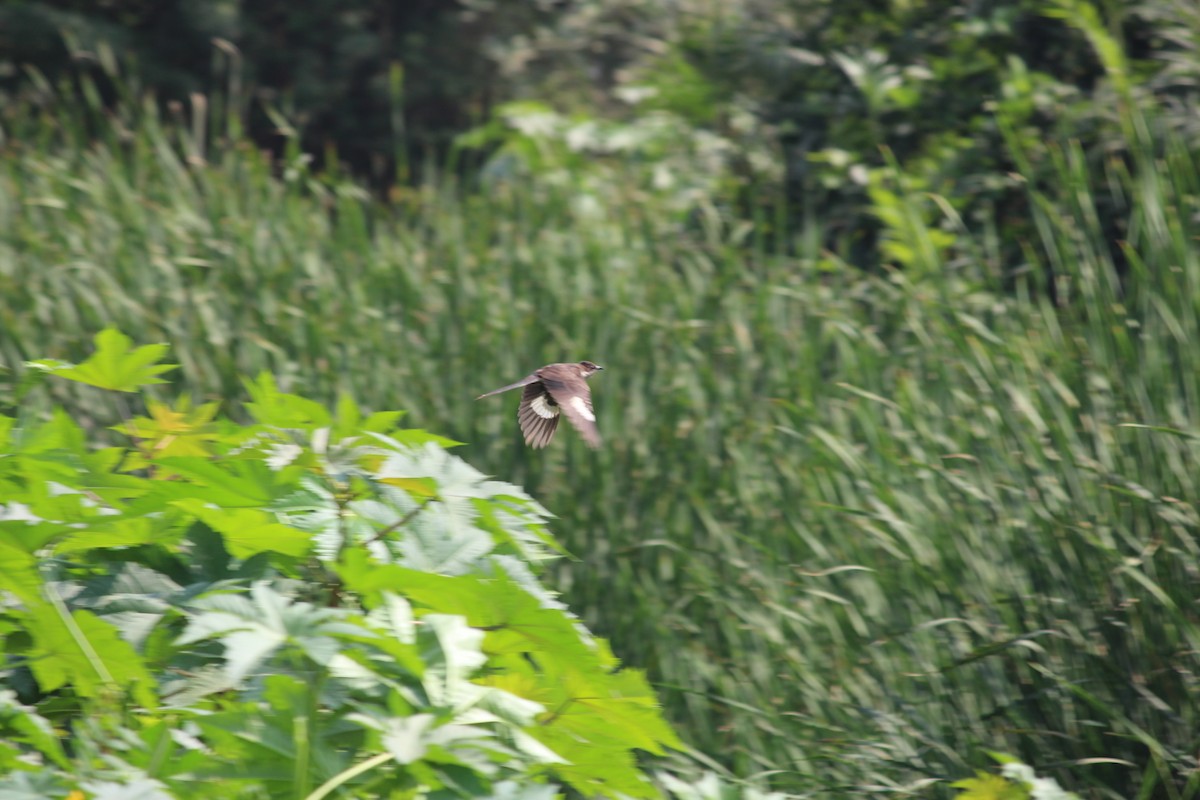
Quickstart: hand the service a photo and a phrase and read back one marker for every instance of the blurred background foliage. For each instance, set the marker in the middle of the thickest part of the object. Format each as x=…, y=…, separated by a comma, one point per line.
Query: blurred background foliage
x=898, y=301
x=809, y=95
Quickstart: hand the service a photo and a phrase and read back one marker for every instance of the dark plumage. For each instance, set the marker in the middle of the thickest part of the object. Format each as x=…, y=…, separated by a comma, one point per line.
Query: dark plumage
x=554, y=390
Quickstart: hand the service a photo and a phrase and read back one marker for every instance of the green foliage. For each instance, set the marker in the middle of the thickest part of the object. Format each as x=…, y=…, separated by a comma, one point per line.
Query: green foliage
x=856, y=525
x=296, y=607
x=660, y=157
x=113, y=366
x=334, y=68
x=1019, y=783
x=835, y=88
x=784, y=98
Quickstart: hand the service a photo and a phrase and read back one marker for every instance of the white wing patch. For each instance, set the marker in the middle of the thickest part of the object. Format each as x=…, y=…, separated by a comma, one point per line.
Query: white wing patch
x=542, y=408
x=581, y=408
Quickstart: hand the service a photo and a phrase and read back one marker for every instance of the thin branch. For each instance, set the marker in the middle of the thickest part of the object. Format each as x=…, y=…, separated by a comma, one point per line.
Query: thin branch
x=400, y=523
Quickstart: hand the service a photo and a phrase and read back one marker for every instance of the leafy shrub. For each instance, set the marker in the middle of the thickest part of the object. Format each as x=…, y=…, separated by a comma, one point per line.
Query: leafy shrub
x=310, y=605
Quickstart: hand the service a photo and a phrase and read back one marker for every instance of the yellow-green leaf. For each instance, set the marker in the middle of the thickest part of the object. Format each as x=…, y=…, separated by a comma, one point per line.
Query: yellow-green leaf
x=118, y=367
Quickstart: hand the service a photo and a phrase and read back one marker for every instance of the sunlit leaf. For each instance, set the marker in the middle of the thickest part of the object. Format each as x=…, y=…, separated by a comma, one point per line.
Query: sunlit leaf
x=419, y=487
x=248, y=531
x=116, y=533
x=180, y=431
x=516, y=620
x=988, y=787
x=253, y=627
x=116, y=366
x=230, y=483
x=273, y=407
x=18, y=564
x=404, y=737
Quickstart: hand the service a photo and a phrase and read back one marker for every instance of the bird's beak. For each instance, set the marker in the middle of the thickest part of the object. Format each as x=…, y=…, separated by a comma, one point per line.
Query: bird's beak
x=599, y=367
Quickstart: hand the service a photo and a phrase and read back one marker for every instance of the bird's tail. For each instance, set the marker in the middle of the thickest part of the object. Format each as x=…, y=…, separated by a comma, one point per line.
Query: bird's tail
x=518, y=384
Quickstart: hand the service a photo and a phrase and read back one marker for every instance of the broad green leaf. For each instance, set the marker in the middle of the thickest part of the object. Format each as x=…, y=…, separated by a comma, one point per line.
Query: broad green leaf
x=39, y=785
x=455, y=478
x=625, y=701
x=515, y=620
x=173, y=753
x=103, y=477
x=253, y=738
x=314, y=509
x=382, y=422
x=596, y=768
x=593, y=719
x=6, y=424
x=229, y=483
x=398, y=630
x=525, y=532
x=186, y=690
x=18, y=565
x=415, y=437
x=34, y=473
x=117, y=367
x=347, y=417
x=85, y=652
x=270, y=406
x=109, y=532
x=405, y=737
x=988, y=787
x=442, y=542
x=289, y=728
x=173, y=432
x=511, y=706
x=248, y=531
x=396, y=615
x=51, y=500
x=253, y=627
x=461, y=657
x=60, y=432
x=461, y=741
x=418, y=487
x=28, y=727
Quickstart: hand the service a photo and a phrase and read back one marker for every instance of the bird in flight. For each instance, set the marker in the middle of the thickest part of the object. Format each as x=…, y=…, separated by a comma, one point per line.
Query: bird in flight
x=553, y=390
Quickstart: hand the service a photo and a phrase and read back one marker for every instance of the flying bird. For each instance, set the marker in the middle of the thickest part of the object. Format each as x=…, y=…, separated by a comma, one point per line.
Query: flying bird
x=554, y=390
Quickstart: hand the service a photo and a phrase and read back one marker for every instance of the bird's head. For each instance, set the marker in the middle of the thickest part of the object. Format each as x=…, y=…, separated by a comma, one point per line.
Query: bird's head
x=587, y=368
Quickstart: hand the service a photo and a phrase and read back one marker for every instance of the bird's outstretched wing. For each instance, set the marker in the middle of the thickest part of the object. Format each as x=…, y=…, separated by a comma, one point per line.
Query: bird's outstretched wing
x=523, y=382
x=574, y=399
x=538, y=415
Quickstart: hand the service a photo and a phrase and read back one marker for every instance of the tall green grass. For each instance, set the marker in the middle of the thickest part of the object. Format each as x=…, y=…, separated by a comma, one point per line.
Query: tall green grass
x=859, y=525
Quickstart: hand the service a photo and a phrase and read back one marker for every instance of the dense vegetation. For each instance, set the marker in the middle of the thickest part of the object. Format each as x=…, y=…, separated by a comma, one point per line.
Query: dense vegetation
x=859, y=521
x=799, y=99
x=313, y=604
